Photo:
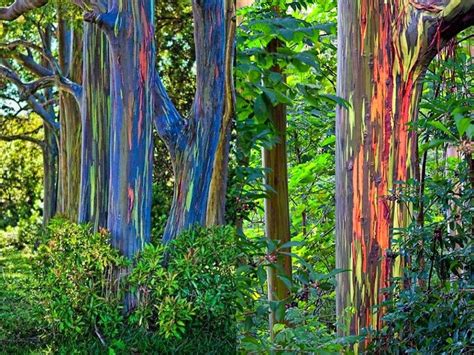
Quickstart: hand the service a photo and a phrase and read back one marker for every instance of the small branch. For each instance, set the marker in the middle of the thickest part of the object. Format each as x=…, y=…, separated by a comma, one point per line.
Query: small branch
x=22, y=137
x=71, y=87
x=34, y=67
x=26, y=89
x=47, y=117
x=19, y=8
x=31, y=46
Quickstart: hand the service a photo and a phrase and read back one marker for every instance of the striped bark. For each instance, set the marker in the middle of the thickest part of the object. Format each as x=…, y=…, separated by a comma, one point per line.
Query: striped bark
x=130, y=30
x=95, y=113
x=70, y=61
x=384, y=48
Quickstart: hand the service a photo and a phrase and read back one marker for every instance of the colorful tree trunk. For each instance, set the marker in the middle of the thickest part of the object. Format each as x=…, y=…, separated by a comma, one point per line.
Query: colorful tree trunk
x=95, y=165
x=129, y=27
x=384, y=48
x=70, y=62
x=199, y=146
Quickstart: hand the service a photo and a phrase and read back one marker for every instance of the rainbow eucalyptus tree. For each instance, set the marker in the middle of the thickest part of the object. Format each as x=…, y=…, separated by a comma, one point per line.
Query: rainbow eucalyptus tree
x=129, y=27
x=384, y=49
x=199, y=145
x=277, y=211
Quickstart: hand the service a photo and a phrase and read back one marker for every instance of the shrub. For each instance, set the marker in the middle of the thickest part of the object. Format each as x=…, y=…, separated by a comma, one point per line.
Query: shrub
x=193, y=298
x=73, y=271
x=432, y=313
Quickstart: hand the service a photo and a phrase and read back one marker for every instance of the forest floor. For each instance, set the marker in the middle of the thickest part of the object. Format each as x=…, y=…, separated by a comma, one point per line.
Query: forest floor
x=18, y=333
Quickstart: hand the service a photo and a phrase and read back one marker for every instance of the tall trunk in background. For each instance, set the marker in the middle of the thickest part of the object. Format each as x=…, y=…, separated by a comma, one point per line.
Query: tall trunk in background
x=199, y=145
x=129, y=26
x=70, y=62
x=50, y=149
x=277, y=215
x=94, y=193
x=384, y=48
x=50, y=171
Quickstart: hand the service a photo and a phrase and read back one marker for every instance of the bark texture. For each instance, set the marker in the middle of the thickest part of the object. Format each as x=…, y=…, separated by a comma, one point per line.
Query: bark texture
x=129, y=26
x=70, y=62
x=95, y=165
x=384, y=48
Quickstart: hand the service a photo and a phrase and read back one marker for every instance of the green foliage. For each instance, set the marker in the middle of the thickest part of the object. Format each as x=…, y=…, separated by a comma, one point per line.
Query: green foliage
x=307, y=315
x=21, y=174
x=428, y=322
x=187, y=290
x=75, y=271
x=187, y=293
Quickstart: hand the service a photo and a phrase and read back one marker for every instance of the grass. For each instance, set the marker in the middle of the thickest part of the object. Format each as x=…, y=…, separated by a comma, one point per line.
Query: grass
x=18, y=331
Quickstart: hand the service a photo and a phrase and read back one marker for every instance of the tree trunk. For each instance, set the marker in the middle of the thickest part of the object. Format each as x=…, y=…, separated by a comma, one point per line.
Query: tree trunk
x=199, y=146
x=129, y=27
x=70, y=61
x=50, y=171
x=384, y=48
x=277, y=215
x=95, y=165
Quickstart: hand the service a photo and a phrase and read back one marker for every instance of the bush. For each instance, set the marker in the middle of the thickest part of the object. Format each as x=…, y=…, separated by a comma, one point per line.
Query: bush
x=432, y=312
x=428, y=322
x=186, y=306
x=193, y=299
x=74, y=271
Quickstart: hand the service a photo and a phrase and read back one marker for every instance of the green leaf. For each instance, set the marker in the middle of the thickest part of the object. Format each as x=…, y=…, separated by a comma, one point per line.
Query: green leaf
x=338, y=100
x=328, y=141
x=441, y=127
x=261, y=109
x=291, y=244
x=462, y=124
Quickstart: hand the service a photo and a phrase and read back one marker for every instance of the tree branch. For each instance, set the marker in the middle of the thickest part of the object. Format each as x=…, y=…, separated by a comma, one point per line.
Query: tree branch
x=20, y=7
x=71, y=87
x=26, y=88
x=23, y=138
x=168, y=122
x=454, y=17
x=29, y=97
x=31, y=46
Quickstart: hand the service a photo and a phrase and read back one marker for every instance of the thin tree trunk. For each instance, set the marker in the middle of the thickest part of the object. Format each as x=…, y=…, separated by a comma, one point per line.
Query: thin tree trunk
x=384, y=48
x=277, y=215
x=50, y=170
x=70, y=62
